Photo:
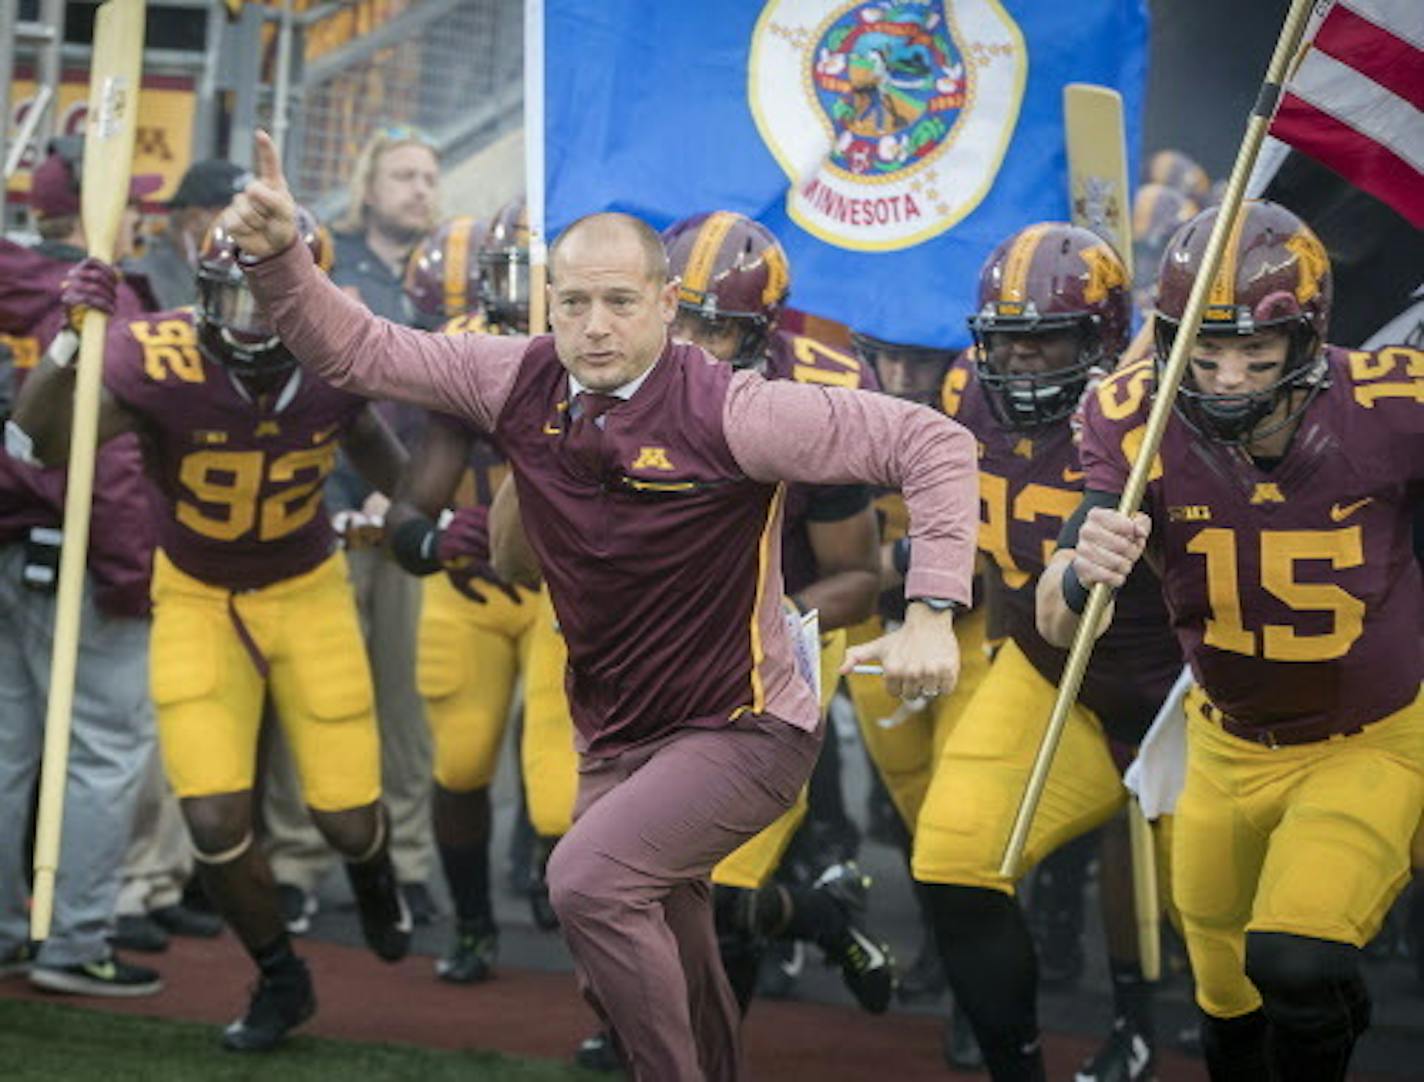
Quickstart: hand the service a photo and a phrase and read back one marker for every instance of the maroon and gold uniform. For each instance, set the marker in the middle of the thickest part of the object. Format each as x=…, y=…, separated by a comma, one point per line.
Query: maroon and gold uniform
x=1029, y=483
x=1295, y=595
x=249, y=593
x=470, y=655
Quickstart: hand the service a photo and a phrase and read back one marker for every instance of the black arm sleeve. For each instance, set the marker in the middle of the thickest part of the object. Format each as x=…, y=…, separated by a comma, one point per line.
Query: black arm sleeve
x=1068, y=536
x=832, y=503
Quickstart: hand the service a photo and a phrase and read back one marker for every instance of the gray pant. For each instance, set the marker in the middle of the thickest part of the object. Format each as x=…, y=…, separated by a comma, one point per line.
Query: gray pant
x=388, y=600
x=159, y=858
x=111, y=742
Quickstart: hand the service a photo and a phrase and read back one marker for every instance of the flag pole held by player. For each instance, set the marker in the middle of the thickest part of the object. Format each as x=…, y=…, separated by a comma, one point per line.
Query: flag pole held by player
x=1169, y=379
x=114, y=75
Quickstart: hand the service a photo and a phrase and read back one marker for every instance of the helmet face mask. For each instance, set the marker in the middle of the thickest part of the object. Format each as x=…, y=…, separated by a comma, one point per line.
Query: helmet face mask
x=1034, y=375
x=910, y=372
x=738, y=340
x=231, y=330
x=1275, y=276
x=504, y=267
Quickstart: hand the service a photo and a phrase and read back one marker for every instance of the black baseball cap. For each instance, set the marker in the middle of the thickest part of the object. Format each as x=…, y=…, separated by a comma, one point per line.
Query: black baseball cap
x=209, y=183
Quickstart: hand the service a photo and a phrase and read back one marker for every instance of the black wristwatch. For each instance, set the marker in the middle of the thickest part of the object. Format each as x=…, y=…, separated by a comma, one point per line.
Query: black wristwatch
x=940, y=604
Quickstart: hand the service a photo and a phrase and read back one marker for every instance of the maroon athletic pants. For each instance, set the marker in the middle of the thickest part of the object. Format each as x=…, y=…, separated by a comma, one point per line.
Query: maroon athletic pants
x=630, y=884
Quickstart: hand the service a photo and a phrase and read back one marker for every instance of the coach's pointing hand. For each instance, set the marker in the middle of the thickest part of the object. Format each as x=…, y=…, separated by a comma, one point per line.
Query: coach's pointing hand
x=263, y=218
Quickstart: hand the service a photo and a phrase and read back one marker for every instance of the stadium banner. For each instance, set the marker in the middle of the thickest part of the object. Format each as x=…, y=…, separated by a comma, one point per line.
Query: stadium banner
x=163, y=145
x=890, y=145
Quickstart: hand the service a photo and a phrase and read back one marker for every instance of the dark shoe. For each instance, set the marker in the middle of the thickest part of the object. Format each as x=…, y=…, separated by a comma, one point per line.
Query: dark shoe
x=924, y=981
x=18, y=961
x=298, y=907
x=139, y=933
x=385, y=918
x=179, y=919
x=106, y=977
x=1126, y=1056
x=867, y=966
x=422, y=906
x=471, y=958
x=781, y=969
x=280, y=1003
x=545, y=919
x=598, y=1053
x=961, y=1047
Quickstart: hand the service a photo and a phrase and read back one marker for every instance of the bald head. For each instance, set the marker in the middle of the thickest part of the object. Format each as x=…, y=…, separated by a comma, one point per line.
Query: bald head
x=610, y=301
x=607, y=233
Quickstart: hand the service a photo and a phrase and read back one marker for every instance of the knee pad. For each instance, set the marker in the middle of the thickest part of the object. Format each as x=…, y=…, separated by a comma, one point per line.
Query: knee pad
x=1312, y=988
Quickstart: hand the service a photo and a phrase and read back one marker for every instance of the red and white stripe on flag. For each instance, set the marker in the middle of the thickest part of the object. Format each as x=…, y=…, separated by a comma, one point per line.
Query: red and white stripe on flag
x=1356, y=102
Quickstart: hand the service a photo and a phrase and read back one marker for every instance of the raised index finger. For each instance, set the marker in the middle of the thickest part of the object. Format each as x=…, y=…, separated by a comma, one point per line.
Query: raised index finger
x=269, y=162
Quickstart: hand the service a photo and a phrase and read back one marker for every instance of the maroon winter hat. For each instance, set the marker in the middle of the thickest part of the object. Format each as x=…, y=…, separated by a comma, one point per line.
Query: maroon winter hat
x=54, y=183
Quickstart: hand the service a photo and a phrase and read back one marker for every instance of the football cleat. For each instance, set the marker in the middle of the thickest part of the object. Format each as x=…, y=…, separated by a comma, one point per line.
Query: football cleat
x=107, y=976
x=1126, y=1056
x=598, y=1053
x=471, y=957
x=867, y=966
x=960, y=1046
x=385, y=918
x=280, y=1003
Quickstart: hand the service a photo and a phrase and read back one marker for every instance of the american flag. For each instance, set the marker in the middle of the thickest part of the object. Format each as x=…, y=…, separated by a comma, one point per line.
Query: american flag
x=1356, y=101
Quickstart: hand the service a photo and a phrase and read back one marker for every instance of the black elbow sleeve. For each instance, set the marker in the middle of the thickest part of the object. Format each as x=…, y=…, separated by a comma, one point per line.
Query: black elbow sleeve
x=413, y=546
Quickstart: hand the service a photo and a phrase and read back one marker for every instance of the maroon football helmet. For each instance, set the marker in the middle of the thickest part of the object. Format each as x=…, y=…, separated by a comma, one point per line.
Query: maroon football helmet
x=731, y=273
x=442, y=276
x=232, y=331
x=1064, y=288
x=504, y=267
x=1274, y=275
x=914, y=373
x=1180, y=171
x=1157, y=212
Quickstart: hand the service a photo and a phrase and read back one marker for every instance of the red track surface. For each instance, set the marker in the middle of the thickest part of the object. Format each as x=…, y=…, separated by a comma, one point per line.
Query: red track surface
x=527, y=1013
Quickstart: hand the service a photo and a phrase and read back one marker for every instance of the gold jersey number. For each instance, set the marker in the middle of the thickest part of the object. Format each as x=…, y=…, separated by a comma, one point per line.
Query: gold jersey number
x=1280, y=551
x=232, y=480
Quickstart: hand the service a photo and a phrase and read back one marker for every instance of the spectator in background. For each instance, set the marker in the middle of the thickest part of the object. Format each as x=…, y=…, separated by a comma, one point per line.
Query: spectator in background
x=112, y=734
x=393, y=203
x=170, y=259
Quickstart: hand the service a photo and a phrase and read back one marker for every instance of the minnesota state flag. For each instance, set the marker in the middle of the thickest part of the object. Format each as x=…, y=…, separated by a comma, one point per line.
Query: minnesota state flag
x=890, y=145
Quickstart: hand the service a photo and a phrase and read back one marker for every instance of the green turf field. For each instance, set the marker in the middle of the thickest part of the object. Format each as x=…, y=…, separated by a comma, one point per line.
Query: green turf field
x=52, y=1042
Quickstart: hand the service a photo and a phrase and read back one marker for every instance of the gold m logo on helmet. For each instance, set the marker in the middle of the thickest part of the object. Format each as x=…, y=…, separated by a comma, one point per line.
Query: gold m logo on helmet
x=651, y=458
x=1105, y=272
x=1312, y=260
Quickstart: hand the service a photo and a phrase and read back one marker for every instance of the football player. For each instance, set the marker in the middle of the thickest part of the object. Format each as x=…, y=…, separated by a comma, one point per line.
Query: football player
x=733, y=281
x=1053, y=306
x=251, y=599
x=1279, y=509
x=476, y=631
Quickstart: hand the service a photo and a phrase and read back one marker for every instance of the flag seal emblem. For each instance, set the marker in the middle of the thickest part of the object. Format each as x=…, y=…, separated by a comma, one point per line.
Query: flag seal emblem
x=891, y=119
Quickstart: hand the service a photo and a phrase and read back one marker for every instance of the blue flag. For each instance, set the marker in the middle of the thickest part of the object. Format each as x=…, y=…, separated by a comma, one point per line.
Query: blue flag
x=889, y=145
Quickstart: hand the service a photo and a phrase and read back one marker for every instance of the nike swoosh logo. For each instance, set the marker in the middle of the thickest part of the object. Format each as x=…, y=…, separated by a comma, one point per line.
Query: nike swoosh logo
x=1072, y=476
x=1340, y=513
x=550, y=430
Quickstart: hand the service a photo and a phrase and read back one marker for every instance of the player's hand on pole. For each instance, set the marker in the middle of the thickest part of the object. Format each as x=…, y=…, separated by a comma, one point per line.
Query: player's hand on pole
x=920, y=658
x=91, y=285
x=263, y=217
x=1109, y=545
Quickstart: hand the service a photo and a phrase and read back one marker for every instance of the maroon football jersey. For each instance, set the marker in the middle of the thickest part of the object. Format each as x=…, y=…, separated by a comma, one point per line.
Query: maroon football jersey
x=797, y=357
x=487, y=467
x=121, y=535
x=1029, y=483
x=241, y=478
x=1294, y=591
